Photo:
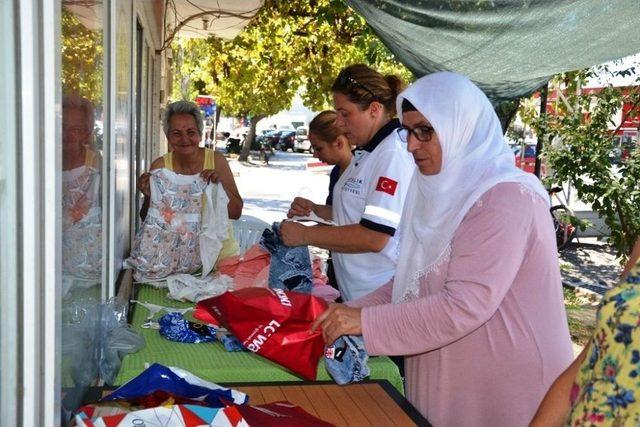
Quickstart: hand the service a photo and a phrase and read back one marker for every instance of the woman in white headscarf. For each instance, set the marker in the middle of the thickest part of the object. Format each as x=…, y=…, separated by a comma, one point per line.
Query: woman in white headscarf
x=476, y=305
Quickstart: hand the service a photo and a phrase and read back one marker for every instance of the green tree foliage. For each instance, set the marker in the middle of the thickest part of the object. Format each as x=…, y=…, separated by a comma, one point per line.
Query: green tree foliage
x=581, y=127
x=82, y=58
x=288, y=47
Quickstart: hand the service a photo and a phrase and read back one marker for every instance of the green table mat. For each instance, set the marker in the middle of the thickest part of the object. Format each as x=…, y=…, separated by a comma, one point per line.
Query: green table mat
x=211, y=361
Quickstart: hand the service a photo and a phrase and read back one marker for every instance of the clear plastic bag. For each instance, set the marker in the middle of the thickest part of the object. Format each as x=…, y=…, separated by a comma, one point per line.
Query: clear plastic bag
x=95, y=339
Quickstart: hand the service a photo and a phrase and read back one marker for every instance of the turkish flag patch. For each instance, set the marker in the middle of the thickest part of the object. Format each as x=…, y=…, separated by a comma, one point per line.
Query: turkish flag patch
x=387, y=185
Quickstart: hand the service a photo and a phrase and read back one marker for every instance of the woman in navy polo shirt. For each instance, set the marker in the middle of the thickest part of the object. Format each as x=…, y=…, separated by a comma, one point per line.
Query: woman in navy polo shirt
x=369, y=196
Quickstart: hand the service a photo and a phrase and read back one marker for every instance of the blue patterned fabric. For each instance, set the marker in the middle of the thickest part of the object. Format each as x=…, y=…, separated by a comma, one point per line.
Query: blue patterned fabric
x=174, y=327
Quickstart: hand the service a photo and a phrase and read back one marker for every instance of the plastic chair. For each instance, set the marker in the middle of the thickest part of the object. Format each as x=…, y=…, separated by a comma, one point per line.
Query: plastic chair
x=247, y=230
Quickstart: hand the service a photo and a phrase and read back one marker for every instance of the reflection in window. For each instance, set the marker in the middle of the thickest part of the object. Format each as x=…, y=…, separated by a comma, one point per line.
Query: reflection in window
x=81, y=47
x=81, y=199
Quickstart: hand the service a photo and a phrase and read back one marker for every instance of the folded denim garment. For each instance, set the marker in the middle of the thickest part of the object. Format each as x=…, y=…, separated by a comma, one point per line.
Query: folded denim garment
x=290, y=267
x=346, y=360
x=231, y=343
x=174, y=327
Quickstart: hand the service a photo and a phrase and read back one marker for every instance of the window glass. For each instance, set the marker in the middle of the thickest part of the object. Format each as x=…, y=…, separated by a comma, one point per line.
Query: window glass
x=8, y=220
x=82, y=53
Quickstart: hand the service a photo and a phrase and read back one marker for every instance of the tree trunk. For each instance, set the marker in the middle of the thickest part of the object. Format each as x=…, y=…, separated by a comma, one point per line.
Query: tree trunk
x=214, y=128
x=506, y=111
x=246, y=144
x=541, y=136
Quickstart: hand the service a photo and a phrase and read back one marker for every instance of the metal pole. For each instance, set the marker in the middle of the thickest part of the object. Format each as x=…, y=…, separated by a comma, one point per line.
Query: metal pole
x=543, y=112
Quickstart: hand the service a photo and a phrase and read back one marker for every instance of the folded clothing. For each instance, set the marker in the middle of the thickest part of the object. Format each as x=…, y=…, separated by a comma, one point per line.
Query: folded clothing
x=346, y=360
x=326, y=292
x=317, y=270
x=186, y=287
x=231, y=343
x=279, y=414
x=174, y=327
x=250, y=269
x=290, y=268
x=321, y=288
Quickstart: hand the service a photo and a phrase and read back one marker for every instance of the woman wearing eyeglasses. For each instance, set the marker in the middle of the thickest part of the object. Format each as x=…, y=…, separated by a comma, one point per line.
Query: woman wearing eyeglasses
x=476, y=304
x=369, y=195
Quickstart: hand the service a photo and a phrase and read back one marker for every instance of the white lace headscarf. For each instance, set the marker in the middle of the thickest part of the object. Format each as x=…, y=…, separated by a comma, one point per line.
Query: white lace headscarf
x=475, y=157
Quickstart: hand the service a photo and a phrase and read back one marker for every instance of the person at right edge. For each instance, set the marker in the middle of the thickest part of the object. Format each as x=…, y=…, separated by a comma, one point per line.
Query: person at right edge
x=369, y=195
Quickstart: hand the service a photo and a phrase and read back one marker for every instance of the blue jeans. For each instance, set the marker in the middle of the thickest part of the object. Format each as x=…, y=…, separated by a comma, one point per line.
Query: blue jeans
x=346, y=360
x=290, y=267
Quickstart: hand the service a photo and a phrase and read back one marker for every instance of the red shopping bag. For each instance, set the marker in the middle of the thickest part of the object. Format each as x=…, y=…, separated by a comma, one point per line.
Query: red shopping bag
x=273, y=323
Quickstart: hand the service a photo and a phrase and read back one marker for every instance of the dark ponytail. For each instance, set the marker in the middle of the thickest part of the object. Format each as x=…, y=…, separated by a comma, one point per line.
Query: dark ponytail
x=396, y=85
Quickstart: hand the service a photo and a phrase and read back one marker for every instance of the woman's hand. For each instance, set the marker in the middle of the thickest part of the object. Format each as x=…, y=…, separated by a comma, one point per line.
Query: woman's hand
x=339, y=320
x=292, y=233
x=301, y=207
x=210, y=175
x=143, y=184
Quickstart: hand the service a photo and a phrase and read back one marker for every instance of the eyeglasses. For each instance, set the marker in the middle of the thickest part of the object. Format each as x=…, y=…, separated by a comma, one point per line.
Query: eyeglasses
x=346, y=80
x=422, y=133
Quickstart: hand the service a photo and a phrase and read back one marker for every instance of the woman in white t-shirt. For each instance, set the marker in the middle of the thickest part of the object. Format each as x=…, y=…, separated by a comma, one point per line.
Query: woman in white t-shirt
x=369, y=195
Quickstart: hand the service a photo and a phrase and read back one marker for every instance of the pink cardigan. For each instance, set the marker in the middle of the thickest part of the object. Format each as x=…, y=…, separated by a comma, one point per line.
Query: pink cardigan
x=489, y=333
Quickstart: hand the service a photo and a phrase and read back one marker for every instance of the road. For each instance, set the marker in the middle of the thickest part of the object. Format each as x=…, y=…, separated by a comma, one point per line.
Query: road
x=267, y=190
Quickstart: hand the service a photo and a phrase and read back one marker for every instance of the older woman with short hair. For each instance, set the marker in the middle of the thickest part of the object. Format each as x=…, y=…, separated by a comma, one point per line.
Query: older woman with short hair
x=81, y=195
x=183, y=127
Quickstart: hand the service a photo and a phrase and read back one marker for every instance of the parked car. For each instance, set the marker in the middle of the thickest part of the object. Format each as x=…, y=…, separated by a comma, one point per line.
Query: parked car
x=528, y=163
x=286, y=140
x=302, y=142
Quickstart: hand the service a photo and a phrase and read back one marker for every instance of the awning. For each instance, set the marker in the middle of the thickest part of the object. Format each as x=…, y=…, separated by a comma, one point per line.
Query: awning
x=508, y=47
x=204, y=18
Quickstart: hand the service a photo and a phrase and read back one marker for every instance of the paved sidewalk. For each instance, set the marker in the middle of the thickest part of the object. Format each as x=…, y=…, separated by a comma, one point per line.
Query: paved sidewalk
x=589, y=265
x=591, y=268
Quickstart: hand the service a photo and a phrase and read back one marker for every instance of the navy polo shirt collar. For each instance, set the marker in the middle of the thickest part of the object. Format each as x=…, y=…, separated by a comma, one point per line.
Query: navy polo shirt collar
x=382, y=133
